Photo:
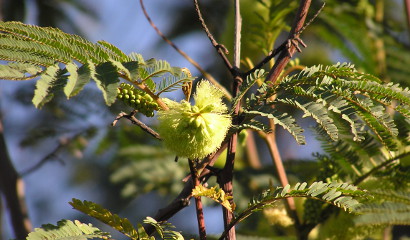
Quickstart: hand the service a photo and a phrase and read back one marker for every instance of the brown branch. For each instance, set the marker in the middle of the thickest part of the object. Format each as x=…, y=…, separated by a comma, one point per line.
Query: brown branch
x=252, y=151
x=222, y=51
x=182, y=200
x=285, y=56
x=188, y=58
x=225, y=178
x=137, y=122
x=283, y=46
x=12, y=190
x=198, y=202
x=407, y=9
x=270, y=140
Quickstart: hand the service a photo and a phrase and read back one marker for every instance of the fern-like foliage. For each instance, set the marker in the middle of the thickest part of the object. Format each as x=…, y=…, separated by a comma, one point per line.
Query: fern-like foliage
x=66, y=229
x=123, y=225
x=393, y=210
x=67, y=62
x=333, y=96
x=94, y=210
x=342, y=195
x=164, y=229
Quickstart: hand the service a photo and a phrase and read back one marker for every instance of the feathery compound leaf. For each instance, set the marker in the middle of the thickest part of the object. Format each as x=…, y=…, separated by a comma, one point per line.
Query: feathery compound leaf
x=251, y=124
x=19, y=71
x=282, y=119
x=67, y=229
x=171, y=83
x=341, y=195
x=94, y=210
x=55, y=44
x=155, y=68
x=117, y=54
x=164, y=229
x=51, y=80
x=249, y=82
x=78, y=78
x=107, y=79
x=318, y=112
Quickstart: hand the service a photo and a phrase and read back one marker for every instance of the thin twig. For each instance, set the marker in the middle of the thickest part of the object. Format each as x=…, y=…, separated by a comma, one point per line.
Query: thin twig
x=206, y=74
x=283, y=46
x=285, y=56
x=237, y=36
x=407, y=10
x=51, y=156
x=198, y=202
x=137, y=122
x=222, y=51
x=380, y=166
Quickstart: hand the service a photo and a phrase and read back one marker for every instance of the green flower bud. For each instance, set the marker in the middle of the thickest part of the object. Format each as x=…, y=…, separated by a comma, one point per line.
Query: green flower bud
x=195, y=131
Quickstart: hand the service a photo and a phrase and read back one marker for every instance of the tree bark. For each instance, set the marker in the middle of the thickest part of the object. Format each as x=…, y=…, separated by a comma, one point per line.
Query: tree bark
x=12, y=190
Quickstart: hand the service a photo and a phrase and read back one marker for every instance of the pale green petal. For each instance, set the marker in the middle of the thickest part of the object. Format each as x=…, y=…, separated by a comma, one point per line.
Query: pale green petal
x=207, y=94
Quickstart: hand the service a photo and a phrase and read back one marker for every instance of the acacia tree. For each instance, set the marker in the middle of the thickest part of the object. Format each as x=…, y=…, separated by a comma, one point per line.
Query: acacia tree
x=361, y=138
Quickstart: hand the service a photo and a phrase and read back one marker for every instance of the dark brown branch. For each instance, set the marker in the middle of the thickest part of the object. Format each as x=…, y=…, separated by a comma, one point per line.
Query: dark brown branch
x=407, y=9
x=283, y=46
x=137, y=122
x=188, y=58
x=222, y=51
x=12, y=191
x=182, y=200
x=198, y=202
x=285, y=56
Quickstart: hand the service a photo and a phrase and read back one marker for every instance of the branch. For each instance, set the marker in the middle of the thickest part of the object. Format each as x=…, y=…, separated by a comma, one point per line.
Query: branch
x=198, y=202
x=378, y=167
x=137, y=122
x=292, y=45
x=270, y=140
x=52, y=155
x=407, y=9
x=183, y=198
x=222, y=51
x=188, y=58
x=283, y=46
x=12, y=191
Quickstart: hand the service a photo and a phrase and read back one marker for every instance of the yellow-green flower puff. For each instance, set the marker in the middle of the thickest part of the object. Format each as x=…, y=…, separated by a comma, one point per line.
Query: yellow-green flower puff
x=195, y=131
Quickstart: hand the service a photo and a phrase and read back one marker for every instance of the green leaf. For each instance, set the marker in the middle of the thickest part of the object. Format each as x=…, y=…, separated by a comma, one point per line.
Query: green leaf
x=94, y=210
x=107, y=79
x=247, y=84
x=164, y=229
x=67, y=229
x=117, y=54
x=19, y=71
x=51, y=80
x=78, y=78
x=171, y=83
x=282, y=119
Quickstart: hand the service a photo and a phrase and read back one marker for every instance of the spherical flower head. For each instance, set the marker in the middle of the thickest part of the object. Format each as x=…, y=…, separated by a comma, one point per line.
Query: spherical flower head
x=195, y=131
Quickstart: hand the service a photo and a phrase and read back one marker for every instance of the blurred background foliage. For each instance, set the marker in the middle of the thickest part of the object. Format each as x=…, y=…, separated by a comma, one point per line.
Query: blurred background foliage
x=125, y=170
